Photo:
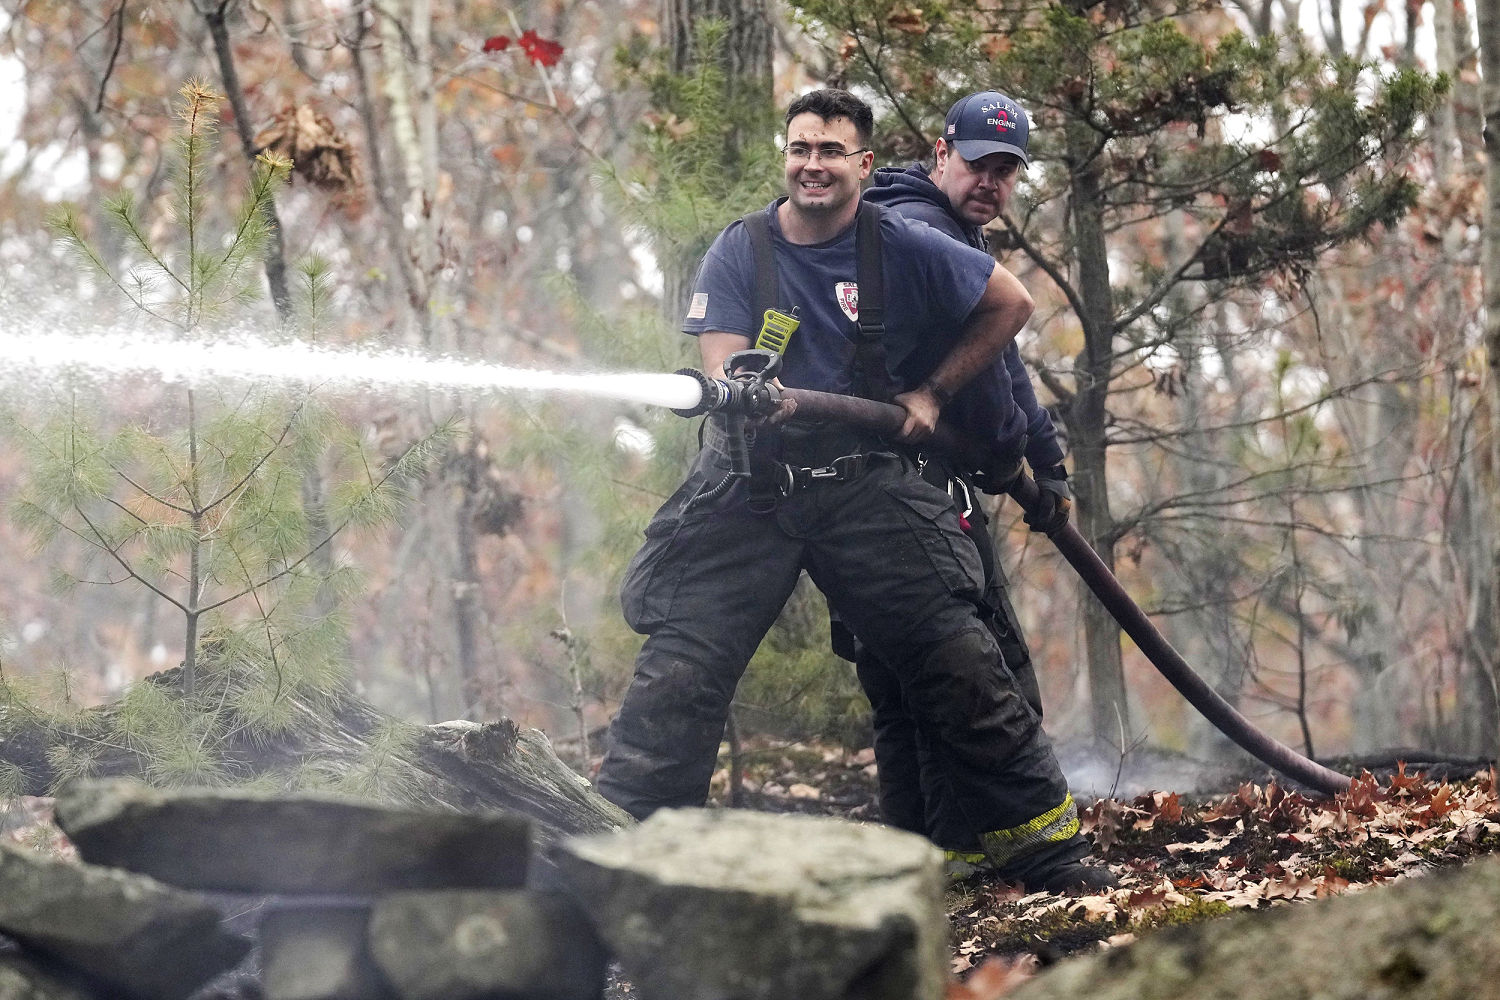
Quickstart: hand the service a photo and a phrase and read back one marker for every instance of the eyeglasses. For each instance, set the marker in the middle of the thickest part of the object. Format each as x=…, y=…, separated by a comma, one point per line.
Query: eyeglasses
x=801, y=152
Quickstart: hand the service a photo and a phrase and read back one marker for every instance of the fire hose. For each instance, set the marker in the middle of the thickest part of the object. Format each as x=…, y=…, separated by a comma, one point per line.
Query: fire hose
x=750, y=391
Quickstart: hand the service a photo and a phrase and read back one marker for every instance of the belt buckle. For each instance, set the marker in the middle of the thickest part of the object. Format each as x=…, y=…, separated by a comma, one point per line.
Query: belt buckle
x=840, y=470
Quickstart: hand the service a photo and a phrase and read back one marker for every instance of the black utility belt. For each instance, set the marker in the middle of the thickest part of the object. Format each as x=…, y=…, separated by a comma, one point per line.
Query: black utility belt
x=790, y=479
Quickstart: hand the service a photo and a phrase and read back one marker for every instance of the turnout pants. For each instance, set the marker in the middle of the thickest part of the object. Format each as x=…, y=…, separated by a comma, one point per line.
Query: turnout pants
x=911, y=784
x=887, y=551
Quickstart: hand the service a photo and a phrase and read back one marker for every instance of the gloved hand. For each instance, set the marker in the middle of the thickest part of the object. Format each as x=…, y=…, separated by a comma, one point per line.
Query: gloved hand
x=1054, y=501
x=998, y=476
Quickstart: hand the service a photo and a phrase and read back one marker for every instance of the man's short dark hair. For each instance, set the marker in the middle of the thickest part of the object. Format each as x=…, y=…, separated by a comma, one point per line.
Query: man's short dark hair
x=829, y=104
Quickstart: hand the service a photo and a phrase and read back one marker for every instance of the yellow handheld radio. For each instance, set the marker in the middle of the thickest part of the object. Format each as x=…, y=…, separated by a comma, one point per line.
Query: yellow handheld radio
x=777, y=330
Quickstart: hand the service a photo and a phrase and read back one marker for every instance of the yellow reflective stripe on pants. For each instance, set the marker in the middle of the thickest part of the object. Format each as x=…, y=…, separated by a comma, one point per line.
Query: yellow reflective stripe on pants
x=1052, y=826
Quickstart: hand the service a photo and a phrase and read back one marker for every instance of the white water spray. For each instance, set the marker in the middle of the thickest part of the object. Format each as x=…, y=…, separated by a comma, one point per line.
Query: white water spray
x=31, y=358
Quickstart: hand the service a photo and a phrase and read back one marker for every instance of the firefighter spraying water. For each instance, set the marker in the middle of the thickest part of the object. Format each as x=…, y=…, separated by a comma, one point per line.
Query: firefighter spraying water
x=746, y=394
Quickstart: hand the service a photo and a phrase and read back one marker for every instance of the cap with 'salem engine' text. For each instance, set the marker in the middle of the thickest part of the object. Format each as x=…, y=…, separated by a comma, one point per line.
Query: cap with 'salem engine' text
x=986, y=123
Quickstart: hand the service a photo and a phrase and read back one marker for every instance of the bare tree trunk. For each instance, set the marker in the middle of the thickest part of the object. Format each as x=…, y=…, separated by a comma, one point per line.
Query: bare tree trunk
x=1087, y=418
x=419, y=241
x=1489, y=53
x=1466, y=523
x=746, y=63
x=405, y=29
x=216, y=16
x=1469, y=525
x=1208, y=563
x=1378, y=421
x=1333, y=29
x=747, y=56
x=379, y=178
x=468, y=614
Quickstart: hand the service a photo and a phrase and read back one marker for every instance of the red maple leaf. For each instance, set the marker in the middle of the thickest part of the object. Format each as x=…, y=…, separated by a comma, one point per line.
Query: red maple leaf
x=539, y=50
x=1168, y=806
x=1401, y=782
x=1441, y=803
x=499, y=43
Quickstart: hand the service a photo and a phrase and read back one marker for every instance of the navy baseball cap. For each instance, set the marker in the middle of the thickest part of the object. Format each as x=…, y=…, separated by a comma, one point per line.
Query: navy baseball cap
x=986, y=123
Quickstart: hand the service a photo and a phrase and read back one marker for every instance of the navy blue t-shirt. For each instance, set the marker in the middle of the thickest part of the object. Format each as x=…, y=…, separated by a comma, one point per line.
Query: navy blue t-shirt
x=980, y=408
x=931, y=282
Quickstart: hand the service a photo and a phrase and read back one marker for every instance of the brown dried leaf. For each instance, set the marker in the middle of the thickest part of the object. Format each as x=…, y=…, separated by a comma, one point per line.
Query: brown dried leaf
x=1401, y=781
x=1168, y=806
x=1145, y=899
x=1201, y=847
x=1291, y=887
x=993, y=979
x=1095, y=907
x=1440, y=804
x=1330, y=883
x=908, y=20
x=995, y=46
x=317, y=151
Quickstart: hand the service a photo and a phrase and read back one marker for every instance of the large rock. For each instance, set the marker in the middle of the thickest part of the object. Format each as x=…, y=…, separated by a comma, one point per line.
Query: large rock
x=1431, y=937
x=474, y=945
x=22, y=979
x=132, y=933
x=318, y=952
x=703, y=905
x=238, y=841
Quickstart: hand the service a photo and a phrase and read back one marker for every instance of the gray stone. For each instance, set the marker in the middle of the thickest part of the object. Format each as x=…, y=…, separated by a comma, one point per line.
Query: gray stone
x=473, y=945
x=238, y=841
x=1431, y=938
x=318, y=953
x=130, y=932
x=23, y=979
x=708, y=905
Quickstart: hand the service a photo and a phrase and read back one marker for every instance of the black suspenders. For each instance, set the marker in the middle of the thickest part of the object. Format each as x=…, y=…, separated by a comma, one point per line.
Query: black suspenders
x=871, y=378
x=763, y=255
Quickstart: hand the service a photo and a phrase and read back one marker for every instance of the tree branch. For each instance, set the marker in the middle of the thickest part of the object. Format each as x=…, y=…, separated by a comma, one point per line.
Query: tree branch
x=114, y=54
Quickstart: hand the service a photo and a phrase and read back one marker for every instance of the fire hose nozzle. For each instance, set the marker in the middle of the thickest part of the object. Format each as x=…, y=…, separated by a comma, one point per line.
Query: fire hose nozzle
x=712, y=393
x=747, y=391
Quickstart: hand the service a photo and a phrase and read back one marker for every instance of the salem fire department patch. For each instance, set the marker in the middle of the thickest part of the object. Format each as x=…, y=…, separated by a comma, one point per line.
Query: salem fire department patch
x=847, y=292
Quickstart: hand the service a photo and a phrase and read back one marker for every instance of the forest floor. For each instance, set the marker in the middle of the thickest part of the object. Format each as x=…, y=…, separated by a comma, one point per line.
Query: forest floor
x=1180, y=858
